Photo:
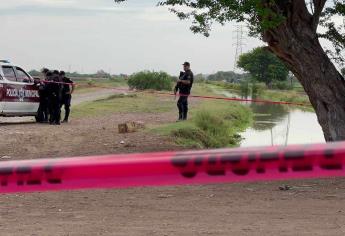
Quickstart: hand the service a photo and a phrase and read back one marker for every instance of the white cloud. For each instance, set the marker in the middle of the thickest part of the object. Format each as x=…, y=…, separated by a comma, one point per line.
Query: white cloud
x=19, y=3
x=88, y=35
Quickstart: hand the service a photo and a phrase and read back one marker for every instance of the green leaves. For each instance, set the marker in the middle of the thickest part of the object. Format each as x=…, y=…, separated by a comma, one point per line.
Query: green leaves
x=266, y=15
x=259, y=14
x=151, y=80
x=263, y=65
x=332, y=19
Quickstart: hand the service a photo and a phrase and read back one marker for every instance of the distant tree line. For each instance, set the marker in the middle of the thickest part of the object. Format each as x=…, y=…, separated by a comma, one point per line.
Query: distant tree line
x=227, y=76
x=98, y=74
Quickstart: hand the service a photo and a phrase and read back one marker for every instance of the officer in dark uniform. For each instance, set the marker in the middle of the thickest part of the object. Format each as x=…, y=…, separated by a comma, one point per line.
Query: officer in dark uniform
x=184, y=86
x=66, y=95
x=42, y=113
x=54, y=92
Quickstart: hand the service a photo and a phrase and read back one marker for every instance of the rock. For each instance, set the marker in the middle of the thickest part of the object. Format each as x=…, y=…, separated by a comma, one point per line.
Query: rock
x=5, y=157
x=130, y=145
x=165, y=196
x=122, y=142
x=122, y=128
x=284, y=187
x=130, y=127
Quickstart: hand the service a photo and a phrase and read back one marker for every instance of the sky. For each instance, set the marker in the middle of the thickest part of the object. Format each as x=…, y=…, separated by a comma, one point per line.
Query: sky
x=89, y=35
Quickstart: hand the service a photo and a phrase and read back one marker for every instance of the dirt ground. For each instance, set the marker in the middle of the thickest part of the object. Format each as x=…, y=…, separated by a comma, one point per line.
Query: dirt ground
x=314, y=207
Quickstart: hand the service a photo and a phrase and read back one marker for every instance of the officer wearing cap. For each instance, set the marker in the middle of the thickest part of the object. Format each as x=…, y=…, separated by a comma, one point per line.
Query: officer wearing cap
x=184, y=86
x=66, y=96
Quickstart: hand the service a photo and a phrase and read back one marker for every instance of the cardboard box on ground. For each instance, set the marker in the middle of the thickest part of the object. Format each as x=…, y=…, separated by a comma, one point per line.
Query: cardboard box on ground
x=130, y=127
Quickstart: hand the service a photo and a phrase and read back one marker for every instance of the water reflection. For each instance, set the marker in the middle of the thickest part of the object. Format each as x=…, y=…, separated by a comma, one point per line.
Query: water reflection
x=278, y=124
x=268, y=116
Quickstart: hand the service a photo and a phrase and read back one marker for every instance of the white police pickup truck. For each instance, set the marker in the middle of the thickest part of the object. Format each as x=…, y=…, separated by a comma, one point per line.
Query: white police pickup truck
x=18, y=92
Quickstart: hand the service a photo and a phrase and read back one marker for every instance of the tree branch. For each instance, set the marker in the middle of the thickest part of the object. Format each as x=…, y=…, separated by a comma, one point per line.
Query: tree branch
x=318, y=8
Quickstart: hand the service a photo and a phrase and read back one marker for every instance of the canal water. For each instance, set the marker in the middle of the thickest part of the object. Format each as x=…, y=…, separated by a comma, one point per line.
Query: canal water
x=279, y=125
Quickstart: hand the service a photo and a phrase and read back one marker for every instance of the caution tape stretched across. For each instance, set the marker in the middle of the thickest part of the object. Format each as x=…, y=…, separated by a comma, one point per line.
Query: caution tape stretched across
x=191, y=96
x=208, y=97
x=174, y=168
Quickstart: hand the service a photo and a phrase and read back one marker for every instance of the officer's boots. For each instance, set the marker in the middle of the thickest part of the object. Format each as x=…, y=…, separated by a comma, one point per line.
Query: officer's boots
x=180, y=117
x=185, y=115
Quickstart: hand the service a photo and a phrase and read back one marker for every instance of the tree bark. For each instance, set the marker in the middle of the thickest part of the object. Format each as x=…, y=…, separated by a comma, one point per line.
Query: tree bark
x=296, y=43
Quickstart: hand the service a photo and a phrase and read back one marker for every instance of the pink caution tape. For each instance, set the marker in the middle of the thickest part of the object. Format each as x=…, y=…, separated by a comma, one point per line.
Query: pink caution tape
x=56, y=82
x=241, y=99
x=192, y=96
x=174, y=168
x=211, y=97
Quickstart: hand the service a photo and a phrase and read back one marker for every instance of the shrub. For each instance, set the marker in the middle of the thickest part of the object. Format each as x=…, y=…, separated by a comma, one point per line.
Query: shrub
x=191, y=137
x=245, y=89
x=210, y=131
x=90, y=82
x=216, y=129
x=281, y=85
x=257, y=89
x=150, y=80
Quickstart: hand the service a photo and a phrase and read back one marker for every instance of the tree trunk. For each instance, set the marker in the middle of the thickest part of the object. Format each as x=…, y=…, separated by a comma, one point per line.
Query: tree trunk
x=297, y=44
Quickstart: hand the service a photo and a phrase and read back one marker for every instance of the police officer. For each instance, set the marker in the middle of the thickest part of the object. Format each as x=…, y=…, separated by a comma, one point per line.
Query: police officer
x=42, y=114
x=66, y=94
x=54, y=92
x=184, y=86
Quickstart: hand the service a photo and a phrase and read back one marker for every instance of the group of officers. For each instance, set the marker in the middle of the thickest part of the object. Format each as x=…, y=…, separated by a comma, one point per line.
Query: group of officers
x=55, y=91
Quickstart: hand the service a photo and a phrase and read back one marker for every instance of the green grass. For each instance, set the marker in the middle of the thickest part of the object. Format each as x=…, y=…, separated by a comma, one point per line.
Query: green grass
x=285, y=96
x=296, y=95
x=213, y=124
x=230, y=86
x=145, y=103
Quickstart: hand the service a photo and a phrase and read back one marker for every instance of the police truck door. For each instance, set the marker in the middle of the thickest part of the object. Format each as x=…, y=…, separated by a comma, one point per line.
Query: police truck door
x=2, y=94
x=18, y=97
x=30, y=97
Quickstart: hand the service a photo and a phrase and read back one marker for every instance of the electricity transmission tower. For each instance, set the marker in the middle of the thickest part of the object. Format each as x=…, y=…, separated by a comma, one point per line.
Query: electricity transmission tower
x=240, y=42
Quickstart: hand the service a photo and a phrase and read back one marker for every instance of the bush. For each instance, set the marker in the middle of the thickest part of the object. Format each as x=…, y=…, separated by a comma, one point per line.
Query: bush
x=257, y=89
x=209, y=131
x=191, y=137
x=281, y=85
x=217, y=129
x=150, y=80
x=245, y=89
x=91, y=82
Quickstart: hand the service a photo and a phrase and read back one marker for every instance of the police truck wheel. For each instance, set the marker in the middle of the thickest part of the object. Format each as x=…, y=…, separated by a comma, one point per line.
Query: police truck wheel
x=37, y=119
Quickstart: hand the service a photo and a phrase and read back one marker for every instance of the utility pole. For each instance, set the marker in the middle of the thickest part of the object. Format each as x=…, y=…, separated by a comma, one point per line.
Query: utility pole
x=240, y=43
